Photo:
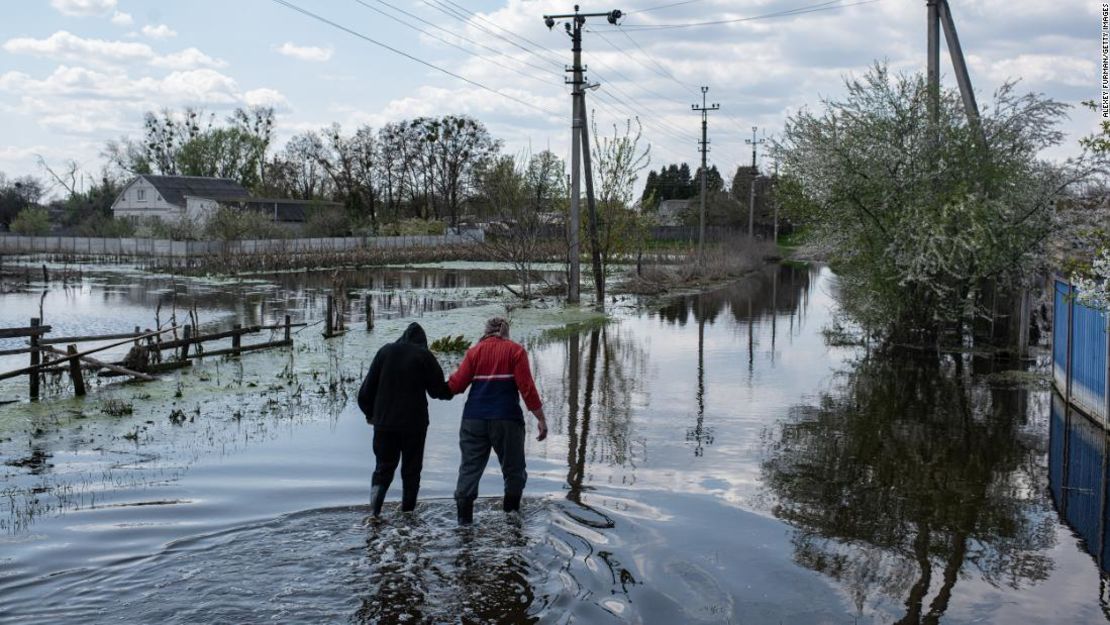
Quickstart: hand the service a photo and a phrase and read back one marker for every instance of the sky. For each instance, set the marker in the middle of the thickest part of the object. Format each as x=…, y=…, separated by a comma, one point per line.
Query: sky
x=77, y=73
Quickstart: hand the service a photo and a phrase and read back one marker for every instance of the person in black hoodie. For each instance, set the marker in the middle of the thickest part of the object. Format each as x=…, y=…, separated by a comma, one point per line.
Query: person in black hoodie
x=393, y=399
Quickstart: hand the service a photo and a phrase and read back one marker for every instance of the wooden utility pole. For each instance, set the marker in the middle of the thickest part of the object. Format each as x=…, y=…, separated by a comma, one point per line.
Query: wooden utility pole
x=580, y=153
x=704, y=146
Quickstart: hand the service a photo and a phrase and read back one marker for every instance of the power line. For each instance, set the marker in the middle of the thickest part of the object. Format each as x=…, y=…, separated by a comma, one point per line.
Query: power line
x=452, y=9
x=453, y=34
x=390, y=48
x=831, y=5
x=665, y=72
x=662, y=6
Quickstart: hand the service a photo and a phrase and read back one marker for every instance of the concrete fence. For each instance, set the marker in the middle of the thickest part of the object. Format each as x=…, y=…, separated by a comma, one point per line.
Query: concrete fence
x=164, y=248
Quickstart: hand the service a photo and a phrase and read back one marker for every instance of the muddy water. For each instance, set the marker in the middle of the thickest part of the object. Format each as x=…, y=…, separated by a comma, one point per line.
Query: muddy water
x=712, y=460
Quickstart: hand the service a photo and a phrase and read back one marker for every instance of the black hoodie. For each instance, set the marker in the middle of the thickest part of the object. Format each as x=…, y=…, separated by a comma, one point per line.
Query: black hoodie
x=392, y=396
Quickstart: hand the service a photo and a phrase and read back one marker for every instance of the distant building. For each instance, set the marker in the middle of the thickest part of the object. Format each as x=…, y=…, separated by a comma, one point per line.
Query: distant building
x=671, y=212
x=173, y=197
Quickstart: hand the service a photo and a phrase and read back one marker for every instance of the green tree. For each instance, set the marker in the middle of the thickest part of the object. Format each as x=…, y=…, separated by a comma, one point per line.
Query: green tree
x=31, y=221
x=17, y=195
x=618, y=161
x=916, y=215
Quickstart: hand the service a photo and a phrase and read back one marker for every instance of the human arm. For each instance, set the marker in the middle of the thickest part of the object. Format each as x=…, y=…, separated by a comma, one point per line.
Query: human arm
x=462, y=376
x=369, y=389
x=522, y=374
x=434, y=383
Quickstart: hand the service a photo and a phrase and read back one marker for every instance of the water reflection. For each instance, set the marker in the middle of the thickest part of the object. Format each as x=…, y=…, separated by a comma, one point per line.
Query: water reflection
x=908, y=477
x=1080, y=484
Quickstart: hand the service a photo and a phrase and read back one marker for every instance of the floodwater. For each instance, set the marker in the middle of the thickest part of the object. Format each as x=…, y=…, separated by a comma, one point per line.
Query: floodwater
x=712, y=460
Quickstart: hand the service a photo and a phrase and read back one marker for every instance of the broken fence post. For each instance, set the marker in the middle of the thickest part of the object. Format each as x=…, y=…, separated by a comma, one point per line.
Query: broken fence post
x=187, y=334
x=236, y=338
x=35, y=359
x=75, y=371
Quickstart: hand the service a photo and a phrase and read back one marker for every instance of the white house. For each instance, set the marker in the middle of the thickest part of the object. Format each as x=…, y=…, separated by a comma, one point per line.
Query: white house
x=172, y=197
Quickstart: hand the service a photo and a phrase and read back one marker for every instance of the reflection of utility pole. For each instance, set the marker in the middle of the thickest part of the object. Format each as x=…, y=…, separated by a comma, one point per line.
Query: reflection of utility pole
x=774, y=307
x=577, y=444
x=704, y=149
x=751, y=340
x=751, y=191
x=580, y=153
x=698, y=433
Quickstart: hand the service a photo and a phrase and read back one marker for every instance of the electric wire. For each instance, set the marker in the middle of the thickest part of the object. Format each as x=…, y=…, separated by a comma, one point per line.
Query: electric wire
x=831, y=5
x=452, y=34
x=397, y=51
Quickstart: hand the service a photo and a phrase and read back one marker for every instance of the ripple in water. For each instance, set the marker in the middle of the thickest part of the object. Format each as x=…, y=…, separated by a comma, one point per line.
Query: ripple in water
x=338, y=565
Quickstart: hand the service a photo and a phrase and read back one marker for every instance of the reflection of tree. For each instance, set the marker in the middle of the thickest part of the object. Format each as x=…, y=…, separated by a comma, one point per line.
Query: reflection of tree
x=778, y=289
x=907, y=476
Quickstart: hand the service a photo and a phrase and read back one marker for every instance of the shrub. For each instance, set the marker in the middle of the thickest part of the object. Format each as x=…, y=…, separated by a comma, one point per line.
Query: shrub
x=327, y=221
x=31, y=221
x=182, y=228
x=231, y=224
x=413, y=227
x=450, y=344
x=98, y=225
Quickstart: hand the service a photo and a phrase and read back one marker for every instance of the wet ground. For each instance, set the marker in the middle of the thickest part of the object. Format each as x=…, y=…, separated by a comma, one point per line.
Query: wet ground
x=712, y=460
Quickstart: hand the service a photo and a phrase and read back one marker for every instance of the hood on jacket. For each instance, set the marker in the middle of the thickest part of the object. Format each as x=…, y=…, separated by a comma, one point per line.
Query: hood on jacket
x=414, y=334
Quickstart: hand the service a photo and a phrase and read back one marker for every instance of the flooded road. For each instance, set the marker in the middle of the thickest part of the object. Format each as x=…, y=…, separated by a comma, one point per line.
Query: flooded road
x=712, y=460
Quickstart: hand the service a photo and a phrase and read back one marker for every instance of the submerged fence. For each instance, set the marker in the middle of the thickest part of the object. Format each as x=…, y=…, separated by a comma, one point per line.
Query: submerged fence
x=1079, y=479
x=165, y=248
x=1081, y=353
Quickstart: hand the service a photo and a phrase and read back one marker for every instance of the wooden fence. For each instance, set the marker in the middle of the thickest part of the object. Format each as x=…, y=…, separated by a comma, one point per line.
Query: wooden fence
x=44, y=358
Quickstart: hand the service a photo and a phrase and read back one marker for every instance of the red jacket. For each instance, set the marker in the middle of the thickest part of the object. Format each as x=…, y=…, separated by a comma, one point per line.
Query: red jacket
x=497, y=372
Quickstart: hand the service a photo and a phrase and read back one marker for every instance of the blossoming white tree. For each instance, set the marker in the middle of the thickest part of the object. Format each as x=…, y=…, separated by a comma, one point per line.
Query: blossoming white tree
x=917, y=215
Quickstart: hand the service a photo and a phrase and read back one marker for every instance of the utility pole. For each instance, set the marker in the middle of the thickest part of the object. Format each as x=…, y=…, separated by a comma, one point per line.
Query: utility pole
x=940, y=16
x=775, y=202
x=755, y=174
x=580, y=150
x=704, y=145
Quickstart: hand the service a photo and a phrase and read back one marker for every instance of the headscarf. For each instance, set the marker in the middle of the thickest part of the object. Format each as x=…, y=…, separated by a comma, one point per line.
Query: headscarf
x=496, y=326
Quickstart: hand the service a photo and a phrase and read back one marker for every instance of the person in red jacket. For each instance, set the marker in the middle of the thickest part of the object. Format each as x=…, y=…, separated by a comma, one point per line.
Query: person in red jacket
x=497, y=372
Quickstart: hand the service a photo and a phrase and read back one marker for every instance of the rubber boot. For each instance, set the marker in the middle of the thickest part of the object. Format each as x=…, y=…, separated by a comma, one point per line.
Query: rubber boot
x=408, y=498
x=466, y=511
x=511, y=503
x=377, y=499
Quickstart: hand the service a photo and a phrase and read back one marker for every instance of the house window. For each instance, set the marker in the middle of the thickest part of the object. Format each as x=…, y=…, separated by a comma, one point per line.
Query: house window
x=140, y=195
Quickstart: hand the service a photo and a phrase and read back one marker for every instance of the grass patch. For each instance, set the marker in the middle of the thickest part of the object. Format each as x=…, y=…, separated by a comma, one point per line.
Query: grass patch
x=116, y=407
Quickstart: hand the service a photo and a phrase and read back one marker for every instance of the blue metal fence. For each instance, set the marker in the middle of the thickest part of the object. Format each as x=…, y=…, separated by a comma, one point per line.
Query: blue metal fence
x=1080, y=354
x=1078, y=478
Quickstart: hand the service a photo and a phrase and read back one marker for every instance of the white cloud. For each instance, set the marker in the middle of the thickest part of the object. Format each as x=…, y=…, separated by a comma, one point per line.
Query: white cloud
x=78, y=100
x=66, y=46
x=266, y=97
x=189, y=58
x=160, y=31
x=120, y=18
x=305, y=53
x=83, y=8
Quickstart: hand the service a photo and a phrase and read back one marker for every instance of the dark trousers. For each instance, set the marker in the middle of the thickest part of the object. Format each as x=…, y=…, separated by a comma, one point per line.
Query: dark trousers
x=476, y=438
x=393, y=447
